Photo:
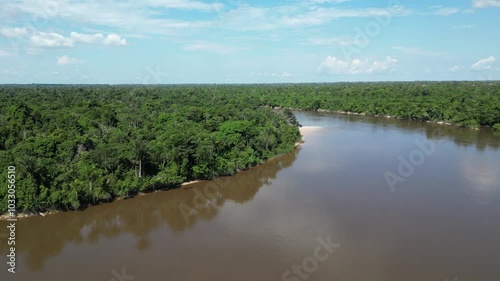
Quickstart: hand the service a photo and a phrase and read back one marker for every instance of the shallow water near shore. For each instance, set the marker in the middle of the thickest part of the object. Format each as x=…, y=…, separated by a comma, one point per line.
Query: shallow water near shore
x=438, y=222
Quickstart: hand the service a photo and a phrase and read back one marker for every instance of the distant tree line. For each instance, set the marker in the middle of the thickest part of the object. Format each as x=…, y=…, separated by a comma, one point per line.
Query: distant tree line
x=467, y=104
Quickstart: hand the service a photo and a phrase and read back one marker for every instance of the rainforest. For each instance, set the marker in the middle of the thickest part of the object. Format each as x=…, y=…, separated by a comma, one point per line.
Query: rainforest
x=75, y=146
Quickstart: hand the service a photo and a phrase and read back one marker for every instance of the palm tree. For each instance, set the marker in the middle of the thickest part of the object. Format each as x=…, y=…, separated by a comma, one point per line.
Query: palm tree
x=140, y=150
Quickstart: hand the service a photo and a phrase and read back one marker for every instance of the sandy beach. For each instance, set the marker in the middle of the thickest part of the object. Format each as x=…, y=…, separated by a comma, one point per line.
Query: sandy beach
x=311, y=129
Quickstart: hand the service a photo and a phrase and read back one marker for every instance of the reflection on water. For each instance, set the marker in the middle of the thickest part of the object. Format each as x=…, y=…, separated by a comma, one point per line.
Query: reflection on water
x=441, y=222
x=41, y=238
x=481, y=139
x=483, y=175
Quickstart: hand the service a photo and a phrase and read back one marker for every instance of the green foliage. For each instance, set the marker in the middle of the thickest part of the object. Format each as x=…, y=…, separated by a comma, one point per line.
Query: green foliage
x=74, y=146
x=468, y=104
x=79, y=145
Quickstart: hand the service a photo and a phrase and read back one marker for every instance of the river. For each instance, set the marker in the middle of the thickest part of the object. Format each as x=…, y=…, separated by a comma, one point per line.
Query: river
x=335, y=209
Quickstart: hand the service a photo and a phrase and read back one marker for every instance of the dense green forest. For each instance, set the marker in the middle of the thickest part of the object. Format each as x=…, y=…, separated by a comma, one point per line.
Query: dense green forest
x=467, y=104
x=77, y=145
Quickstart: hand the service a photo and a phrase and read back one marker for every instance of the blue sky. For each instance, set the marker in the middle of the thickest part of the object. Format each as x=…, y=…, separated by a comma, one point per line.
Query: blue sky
x=235, y=41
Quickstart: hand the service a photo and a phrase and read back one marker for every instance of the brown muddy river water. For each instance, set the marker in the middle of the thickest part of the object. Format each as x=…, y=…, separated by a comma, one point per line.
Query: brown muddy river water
x=337, y=209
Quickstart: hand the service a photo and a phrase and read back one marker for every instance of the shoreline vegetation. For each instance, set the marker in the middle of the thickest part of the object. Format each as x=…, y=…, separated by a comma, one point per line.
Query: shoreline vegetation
x=4, y=217
x=468, y=104
x=379, y=116
x=80, y=145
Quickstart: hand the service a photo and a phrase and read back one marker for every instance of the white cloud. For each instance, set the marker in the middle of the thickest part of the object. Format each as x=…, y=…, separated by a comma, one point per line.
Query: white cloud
x=4, y=53
x=50, y=40
x=259, y=18
x=153, y=16
x=33, y=51
x=326, y=15
x=447, y=11
x=249, y=18
x=484, y=64
x=486, y=3
x=389, y=65
x=40, y=39
x=340, y=41
x=132, y=16
x=323, y=41
x=417, y=51
x=114, y=40
x=284, y=74
x=186, y=5
x=14, y=32
x=455, y=69
x=98, y=38
x=427, y=70
x=67, y=60
x=328, y=1
x=331, y=65
x=464, y=26
x=87, y=38
x=209, y=47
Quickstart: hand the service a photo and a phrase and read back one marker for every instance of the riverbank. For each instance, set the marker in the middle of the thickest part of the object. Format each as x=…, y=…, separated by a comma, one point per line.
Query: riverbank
x=6, y=216
x=384, y=116
x=389, y=116
x=310, y=129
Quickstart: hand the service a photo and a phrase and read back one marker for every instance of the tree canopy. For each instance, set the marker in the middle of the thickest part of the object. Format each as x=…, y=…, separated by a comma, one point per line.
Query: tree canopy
x=78, y=145
x=467, y=104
